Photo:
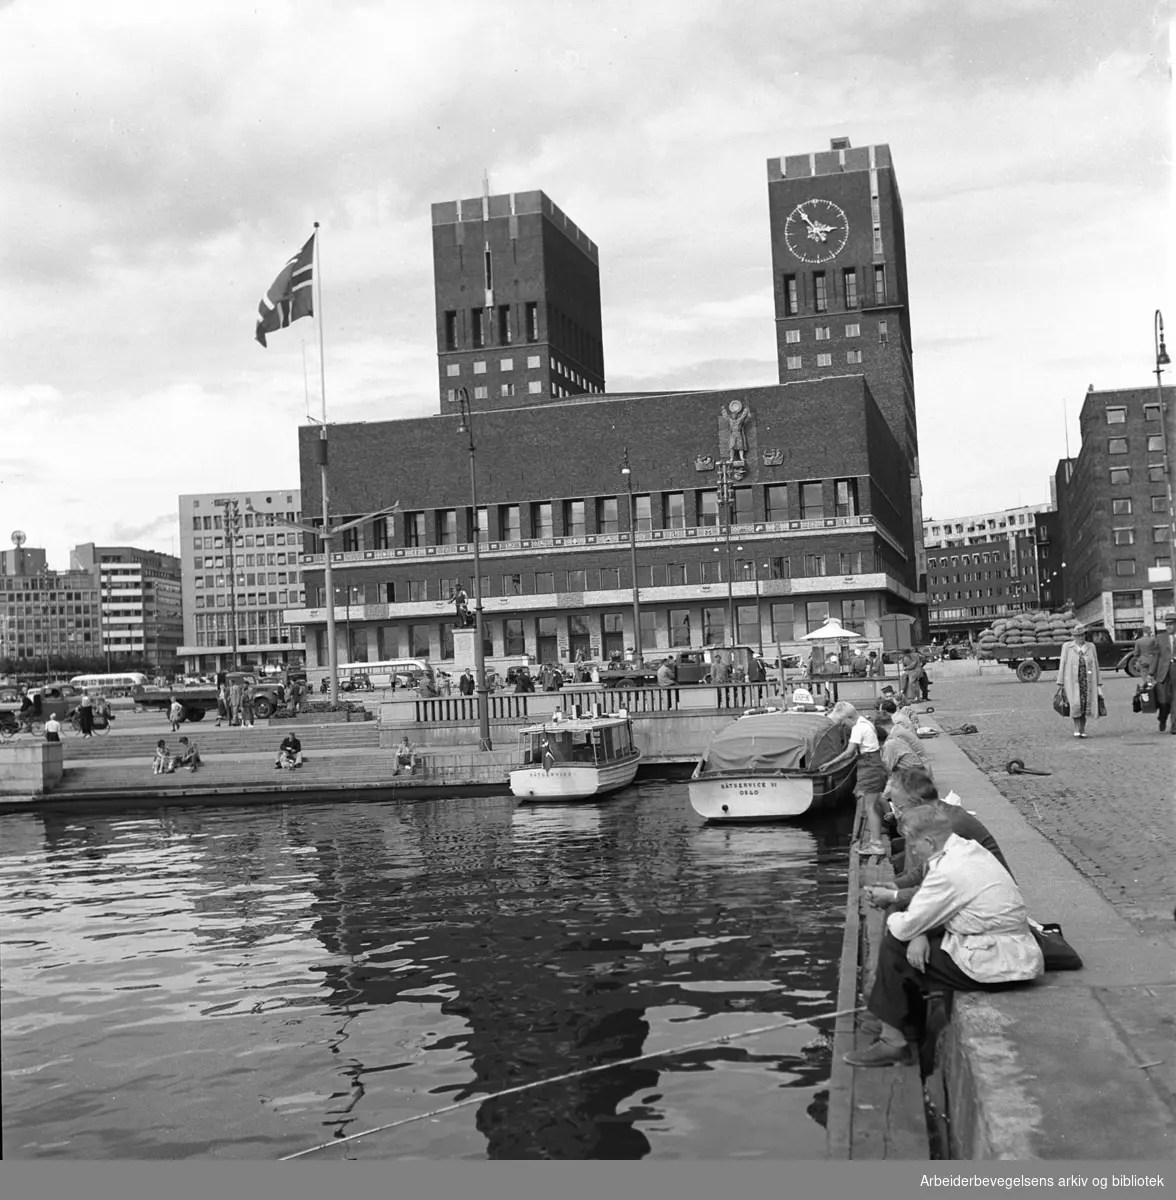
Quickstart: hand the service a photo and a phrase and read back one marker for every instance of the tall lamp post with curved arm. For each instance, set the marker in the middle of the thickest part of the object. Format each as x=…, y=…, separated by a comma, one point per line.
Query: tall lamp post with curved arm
x=627, y=472
x=462, y=399
x=1162, y=360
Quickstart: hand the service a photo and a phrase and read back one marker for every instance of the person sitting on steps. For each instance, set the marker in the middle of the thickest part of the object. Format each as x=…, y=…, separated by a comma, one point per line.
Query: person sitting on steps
x=189, y=755
x=289, y=753
x=162, y=763
x=405, y=757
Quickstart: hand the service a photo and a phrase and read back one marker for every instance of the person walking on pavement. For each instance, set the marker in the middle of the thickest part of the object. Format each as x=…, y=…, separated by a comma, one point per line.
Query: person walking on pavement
x=910, y=667
x=1078, y=680
x=86, y=715
x=1147, y=650
x=236, y=695
x=247, y=706
x=1162, y=673
x=175, y=714
x=222, y=703
x=465, y=684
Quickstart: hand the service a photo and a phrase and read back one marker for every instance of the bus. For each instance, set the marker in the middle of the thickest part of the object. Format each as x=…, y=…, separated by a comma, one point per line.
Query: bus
x=124, y=684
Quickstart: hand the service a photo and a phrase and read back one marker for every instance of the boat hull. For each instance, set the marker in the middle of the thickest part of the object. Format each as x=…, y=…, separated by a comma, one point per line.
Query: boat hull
x=750, y=796
x=573, y=781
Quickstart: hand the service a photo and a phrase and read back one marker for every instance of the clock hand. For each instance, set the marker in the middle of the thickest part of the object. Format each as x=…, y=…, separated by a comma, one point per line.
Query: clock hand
x=805, y=217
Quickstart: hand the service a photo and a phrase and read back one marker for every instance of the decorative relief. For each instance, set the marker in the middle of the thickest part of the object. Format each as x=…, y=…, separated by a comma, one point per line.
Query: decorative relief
x=704, y=462
x=773, y=458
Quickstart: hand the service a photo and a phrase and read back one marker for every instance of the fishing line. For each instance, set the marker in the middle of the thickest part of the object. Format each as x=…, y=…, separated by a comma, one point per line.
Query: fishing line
x=608, y=1066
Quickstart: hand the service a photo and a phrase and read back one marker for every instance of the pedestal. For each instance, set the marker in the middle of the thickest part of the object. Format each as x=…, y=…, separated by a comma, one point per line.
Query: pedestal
x=465, y=643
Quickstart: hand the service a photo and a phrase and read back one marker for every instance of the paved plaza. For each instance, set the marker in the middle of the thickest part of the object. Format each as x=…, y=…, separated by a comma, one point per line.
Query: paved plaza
x=1108, y=804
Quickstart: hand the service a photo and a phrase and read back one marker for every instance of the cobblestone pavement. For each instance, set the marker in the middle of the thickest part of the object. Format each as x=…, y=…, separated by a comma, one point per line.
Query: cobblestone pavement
x=1108, y=805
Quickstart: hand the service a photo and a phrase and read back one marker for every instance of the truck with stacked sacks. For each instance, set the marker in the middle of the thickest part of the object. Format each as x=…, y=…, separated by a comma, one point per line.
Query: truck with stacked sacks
x=1031, y=642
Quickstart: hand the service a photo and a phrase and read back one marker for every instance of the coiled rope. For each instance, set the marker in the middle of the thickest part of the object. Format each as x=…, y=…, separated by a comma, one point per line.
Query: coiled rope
x=608, y=1066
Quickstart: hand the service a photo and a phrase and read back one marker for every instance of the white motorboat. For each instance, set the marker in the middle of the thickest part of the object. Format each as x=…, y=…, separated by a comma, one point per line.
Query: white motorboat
x=767, y=766
x=575, y=758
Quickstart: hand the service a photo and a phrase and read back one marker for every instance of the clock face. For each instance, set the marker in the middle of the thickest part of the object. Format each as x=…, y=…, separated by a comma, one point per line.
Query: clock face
x=816, y=231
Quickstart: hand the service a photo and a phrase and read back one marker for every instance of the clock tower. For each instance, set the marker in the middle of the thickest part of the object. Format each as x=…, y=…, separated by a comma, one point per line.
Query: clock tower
x=840, y=282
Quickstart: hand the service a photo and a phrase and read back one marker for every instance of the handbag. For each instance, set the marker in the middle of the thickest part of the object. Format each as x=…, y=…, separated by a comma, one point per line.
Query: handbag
x=1102, y=705
x=1059, y=955
x=1061, y=704
x=1146, y=695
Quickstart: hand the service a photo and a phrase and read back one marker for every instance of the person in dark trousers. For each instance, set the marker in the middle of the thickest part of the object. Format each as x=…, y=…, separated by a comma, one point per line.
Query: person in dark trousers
x=289, y=753
x=465, y=684
x=189, y=755
x=1162, y=673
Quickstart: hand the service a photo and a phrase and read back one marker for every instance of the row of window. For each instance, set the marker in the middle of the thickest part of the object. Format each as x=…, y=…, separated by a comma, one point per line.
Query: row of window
x=1155, y=473
x=1124, y=535
x=250, y=599
x=594, y=579
x=1126, y=566
x=966, y=594
x=795, y=362
x=246, y=579
x=967, y=560
x=821, y=286
x=823, y=333
x=1161, y=597
x=246, y=520
x=246, y=541
x=479, y=325
x=1117, y=414
x=451, y=526
x=453, y=370
x=1119, y=445
x=287, y=635
x=992, y=523
x=1121, y=505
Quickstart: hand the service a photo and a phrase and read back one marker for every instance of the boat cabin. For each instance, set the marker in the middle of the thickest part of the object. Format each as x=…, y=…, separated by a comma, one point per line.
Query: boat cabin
x=590, y=743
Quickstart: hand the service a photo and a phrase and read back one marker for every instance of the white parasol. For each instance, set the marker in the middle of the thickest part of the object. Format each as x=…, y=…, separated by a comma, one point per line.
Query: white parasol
x=831, y=631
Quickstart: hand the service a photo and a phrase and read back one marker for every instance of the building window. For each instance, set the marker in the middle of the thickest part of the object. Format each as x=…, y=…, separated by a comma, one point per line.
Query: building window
x=480, y=393
x=644, y=514
x=820, y=292
x=1151, y=412
x=1124, y=566
x=506, y=389
x=747, y=624
x=479, y=338
x=853, y=356
x=879, y=284
x=822, y=332
x=1116, y=445
x=480, y=367
x=883, y=335
x=351, y=539
x=814, y=565
x=849, y=284
x=779, y=567
x=1161, y=533
x=1155, y=441
x=532, y=317
x=577, y=581
x=1122, y=475
x=508, y=522
x=506, y=364
x=812, y=501
x=541, y=520
x=451, y=330
x=714, y=626
x=1155, y=473
x=850, y=562
x=414, y=529
x=853, y=330
x=447, y=527
x=708, y=508
x=794, y=362
x=1116, y=416
x=544, y=583
x=674, y=509
x=512, y=636
x=1124, y=536
x=533, y=361
x=452, y=369
x=711, y=571
x=1158, y=504
x=824, y=360
x=791, y=296
x=847, y=500
x=853, y=614
x=816, y=613
x=573, y=515
x=505, y=331
x=1121, y=508
x=534, y=388
x=776, y=502
x=782, y=619
x=791, y=336
x=679, y=626
x=418, y=641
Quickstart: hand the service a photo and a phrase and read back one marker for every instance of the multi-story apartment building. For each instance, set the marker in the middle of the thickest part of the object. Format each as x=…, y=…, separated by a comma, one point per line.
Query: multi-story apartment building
x=517, y=288
x=1118, y=529
x=141, y=611
x=241, y=536
x=46, y=616
x=840, y=282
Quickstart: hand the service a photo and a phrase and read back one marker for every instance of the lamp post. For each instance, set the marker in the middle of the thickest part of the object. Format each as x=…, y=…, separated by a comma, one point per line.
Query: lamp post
x=462, y=399
x=752, y=565
x=726, y=499
x=1162, y=360
x=232, y=523
x=627, y=472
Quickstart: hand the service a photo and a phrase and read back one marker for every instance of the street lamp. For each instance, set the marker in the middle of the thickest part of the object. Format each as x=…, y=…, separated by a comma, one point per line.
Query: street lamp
x=1162, y=360
x=232, y=523
x=750, y=564
x=627, y=472
x=726, y=499
x=462, y=399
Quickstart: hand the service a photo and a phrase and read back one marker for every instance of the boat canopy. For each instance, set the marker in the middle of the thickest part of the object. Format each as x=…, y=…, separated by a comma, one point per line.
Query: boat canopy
x=782, y=741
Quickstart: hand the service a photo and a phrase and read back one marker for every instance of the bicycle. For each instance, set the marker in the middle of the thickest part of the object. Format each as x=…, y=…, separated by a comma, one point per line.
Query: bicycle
x=74, y=725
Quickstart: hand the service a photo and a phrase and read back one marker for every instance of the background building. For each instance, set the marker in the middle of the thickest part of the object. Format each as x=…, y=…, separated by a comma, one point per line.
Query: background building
x=517, y=289
x=141, y=610
x=49, y=620
x=1117, y=525
x=223, y=534
x=840, y=282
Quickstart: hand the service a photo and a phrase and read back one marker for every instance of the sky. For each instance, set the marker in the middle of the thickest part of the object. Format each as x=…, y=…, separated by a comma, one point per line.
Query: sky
x=163, y=160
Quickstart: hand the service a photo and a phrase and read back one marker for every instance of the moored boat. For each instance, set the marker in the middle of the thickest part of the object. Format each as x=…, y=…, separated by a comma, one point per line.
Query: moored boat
x=575, y=758
x=768, y=766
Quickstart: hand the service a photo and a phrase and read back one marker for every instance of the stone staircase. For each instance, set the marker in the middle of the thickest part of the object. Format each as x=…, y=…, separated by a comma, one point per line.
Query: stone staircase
x=225, y=740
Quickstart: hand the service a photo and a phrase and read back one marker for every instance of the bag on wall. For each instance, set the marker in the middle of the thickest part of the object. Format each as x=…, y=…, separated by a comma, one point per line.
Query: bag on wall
x=1061, y=704
x=1059, y=955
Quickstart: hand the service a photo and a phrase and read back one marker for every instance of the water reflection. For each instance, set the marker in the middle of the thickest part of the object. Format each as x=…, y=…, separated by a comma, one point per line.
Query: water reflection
x=309, y=972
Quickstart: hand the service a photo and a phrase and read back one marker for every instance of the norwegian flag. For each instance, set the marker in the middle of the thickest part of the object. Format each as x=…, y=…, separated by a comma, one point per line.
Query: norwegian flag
x=290, y=295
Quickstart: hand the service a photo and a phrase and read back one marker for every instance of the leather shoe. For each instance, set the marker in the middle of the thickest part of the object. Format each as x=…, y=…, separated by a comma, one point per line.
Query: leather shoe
x=880, y=1054
x=870, y=1024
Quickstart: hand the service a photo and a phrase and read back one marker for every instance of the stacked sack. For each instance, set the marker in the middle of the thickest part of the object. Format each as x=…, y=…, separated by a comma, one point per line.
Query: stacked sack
x=1025, y=629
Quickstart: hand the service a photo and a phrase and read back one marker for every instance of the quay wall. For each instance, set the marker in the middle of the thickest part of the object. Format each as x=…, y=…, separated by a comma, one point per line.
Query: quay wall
x=30, y=768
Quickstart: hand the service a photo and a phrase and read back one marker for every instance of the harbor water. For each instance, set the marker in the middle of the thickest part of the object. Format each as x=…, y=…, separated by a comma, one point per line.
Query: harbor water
x=244, y=983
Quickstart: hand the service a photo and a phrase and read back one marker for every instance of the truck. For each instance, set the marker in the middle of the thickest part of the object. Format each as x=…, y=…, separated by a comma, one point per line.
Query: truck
x=691, y=665
x=199, y=699
x=1029, y=659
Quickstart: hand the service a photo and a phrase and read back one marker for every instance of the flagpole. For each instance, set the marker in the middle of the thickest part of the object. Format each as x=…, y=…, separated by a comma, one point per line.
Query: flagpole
x=321, y=456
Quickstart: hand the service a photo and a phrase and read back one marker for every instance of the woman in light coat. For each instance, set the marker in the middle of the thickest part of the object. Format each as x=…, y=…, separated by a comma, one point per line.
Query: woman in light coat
x=1078, y=680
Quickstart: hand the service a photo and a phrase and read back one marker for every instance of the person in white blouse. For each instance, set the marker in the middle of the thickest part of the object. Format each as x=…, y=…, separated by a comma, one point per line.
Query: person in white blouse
x=966, y=929
x=871, y=774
